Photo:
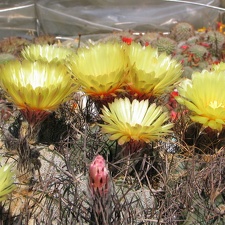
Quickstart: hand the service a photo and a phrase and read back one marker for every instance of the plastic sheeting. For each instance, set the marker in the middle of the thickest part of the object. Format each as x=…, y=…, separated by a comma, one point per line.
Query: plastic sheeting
x=17, y=19
x=68, y=18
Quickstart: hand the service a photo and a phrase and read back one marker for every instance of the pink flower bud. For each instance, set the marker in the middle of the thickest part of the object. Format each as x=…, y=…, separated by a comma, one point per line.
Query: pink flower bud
x=98, y=177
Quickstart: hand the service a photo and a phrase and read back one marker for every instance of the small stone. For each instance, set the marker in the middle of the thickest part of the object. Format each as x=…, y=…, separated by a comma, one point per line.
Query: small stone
x=51, y=147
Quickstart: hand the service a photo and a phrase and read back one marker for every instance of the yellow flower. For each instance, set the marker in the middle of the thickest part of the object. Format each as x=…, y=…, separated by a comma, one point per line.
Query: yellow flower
x=151, y=73
x=46, y=53
x=100, y=69
x=36, y=86
x=6, y=181
x=219, y=67
x=204, y=96
x=135, y=121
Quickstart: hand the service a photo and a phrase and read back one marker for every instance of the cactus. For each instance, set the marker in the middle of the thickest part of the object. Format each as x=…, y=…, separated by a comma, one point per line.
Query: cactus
x=147, y=38
x=187, y=72
x=199, y=51
x=121, y=37
x=216, y=40
x=99, y=187
x=182, y=31
x=194, y=57
x=193, y=39
x=203, y=65
x=164, y=44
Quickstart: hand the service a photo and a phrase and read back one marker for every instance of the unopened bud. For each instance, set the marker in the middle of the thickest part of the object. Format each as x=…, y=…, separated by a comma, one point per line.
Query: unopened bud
x=99, y=177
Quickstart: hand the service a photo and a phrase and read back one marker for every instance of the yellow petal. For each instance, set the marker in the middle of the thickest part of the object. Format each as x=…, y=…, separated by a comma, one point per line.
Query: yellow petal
x=136, y=120
x=36, y=85
x=46, y=53
x=204, y=96
x=151, y=73
x=6, y=181
x=100, y=69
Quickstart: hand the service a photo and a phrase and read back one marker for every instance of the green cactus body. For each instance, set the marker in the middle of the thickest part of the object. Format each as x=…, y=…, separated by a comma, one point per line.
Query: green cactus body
x=216, y=41
x=182, y=31
x=123, y=36
x=164, y=44
x=148, y=38
x=203, y=65
x=179, y=58
x=193, y=40
x=187, y=72
x=199, y=51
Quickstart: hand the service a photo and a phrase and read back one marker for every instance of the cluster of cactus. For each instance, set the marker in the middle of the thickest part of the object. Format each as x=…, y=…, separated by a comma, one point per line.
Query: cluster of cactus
x=196, y=50
x=200, y=51
x=194, y=57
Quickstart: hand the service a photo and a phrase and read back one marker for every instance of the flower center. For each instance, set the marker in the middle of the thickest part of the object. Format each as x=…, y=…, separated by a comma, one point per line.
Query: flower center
x=214, y=104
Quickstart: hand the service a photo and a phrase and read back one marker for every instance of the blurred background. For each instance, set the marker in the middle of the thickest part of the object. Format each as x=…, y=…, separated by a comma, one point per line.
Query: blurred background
x=69, y=18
